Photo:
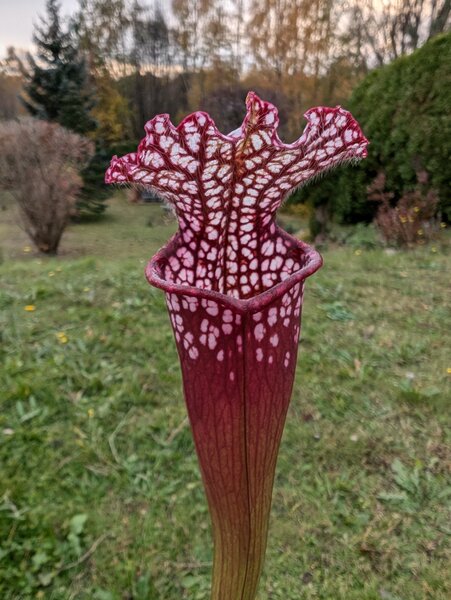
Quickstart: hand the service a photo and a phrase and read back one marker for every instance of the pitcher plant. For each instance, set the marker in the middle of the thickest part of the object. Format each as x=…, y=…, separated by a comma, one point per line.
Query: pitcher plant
x=234, y=283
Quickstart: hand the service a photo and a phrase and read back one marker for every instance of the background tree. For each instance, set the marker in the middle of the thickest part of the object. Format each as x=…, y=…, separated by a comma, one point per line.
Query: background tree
x=151, y=56
x=191, y=18
x=102, y=28
x=56, y=80
x=294, y=43
x=112, y=113
x=390, y=29
x=39, y=165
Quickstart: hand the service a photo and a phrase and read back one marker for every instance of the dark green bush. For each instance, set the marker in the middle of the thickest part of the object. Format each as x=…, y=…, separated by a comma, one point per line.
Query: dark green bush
x=91, y=202
x=403, y=109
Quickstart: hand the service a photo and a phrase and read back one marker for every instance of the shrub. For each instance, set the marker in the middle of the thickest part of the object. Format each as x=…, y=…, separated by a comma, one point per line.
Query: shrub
x=39, y=165
x=412, y=221
x=403, y=109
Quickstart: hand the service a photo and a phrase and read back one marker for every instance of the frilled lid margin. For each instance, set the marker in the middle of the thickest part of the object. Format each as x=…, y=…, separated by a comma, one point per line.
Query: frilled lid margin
x=225, y=191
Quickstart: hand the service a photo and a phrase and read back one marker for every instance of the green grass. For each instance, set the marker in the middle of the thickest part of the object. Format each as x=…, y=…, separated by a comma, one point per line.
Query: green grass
x=125, y=231
x=100, y=495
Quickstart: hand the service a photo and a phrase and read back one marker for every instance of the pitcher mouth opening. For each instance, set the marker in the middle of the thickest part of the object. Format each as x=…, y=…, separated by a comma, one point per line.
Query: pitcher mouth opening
x=156, y=270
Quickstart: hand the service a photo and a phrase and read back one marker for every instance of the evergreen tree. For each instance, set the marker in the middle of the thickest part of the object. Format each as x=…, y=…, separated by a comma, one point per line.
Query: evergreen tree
x=56, y=82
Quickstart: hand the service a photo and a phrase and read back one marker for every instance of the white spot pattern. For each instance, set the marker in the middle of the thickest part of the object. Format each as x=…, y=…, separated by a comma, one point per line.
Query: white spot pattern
x=226, y=190
x=214, y=327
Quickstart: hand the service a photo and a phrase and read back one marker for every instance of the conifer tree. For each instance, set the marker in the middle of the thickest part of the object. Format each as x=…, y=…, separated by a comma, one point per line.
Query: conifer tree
x=57, y=79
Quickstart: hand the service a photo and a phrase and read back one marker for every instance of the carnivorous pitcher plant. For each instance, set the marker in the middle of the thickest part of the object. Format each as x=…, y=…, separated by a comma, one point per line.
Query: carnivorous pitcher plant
x=234, y=284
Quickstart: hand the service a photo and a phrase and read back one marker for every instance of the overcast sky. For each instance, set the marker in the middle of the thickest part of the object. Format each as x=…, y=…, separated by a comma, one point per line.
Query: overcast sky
x=17, y=18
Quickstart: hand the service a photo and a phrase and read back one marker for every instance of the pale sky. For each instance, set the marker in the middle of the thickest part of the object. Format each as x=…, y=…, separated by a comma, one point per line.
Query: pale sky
x=17, y=18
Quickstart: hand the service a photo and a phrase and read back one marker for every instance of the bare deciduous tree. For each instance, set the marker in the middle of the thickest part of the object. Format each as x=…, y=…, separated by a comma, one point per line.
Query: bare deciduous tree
x=39, y=165
x=392, y=28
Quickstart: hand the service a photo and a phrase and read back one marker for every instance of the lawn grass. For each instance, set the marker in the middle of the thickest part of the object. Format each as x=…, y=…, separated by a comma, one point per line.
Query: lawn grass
x=100, y=495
